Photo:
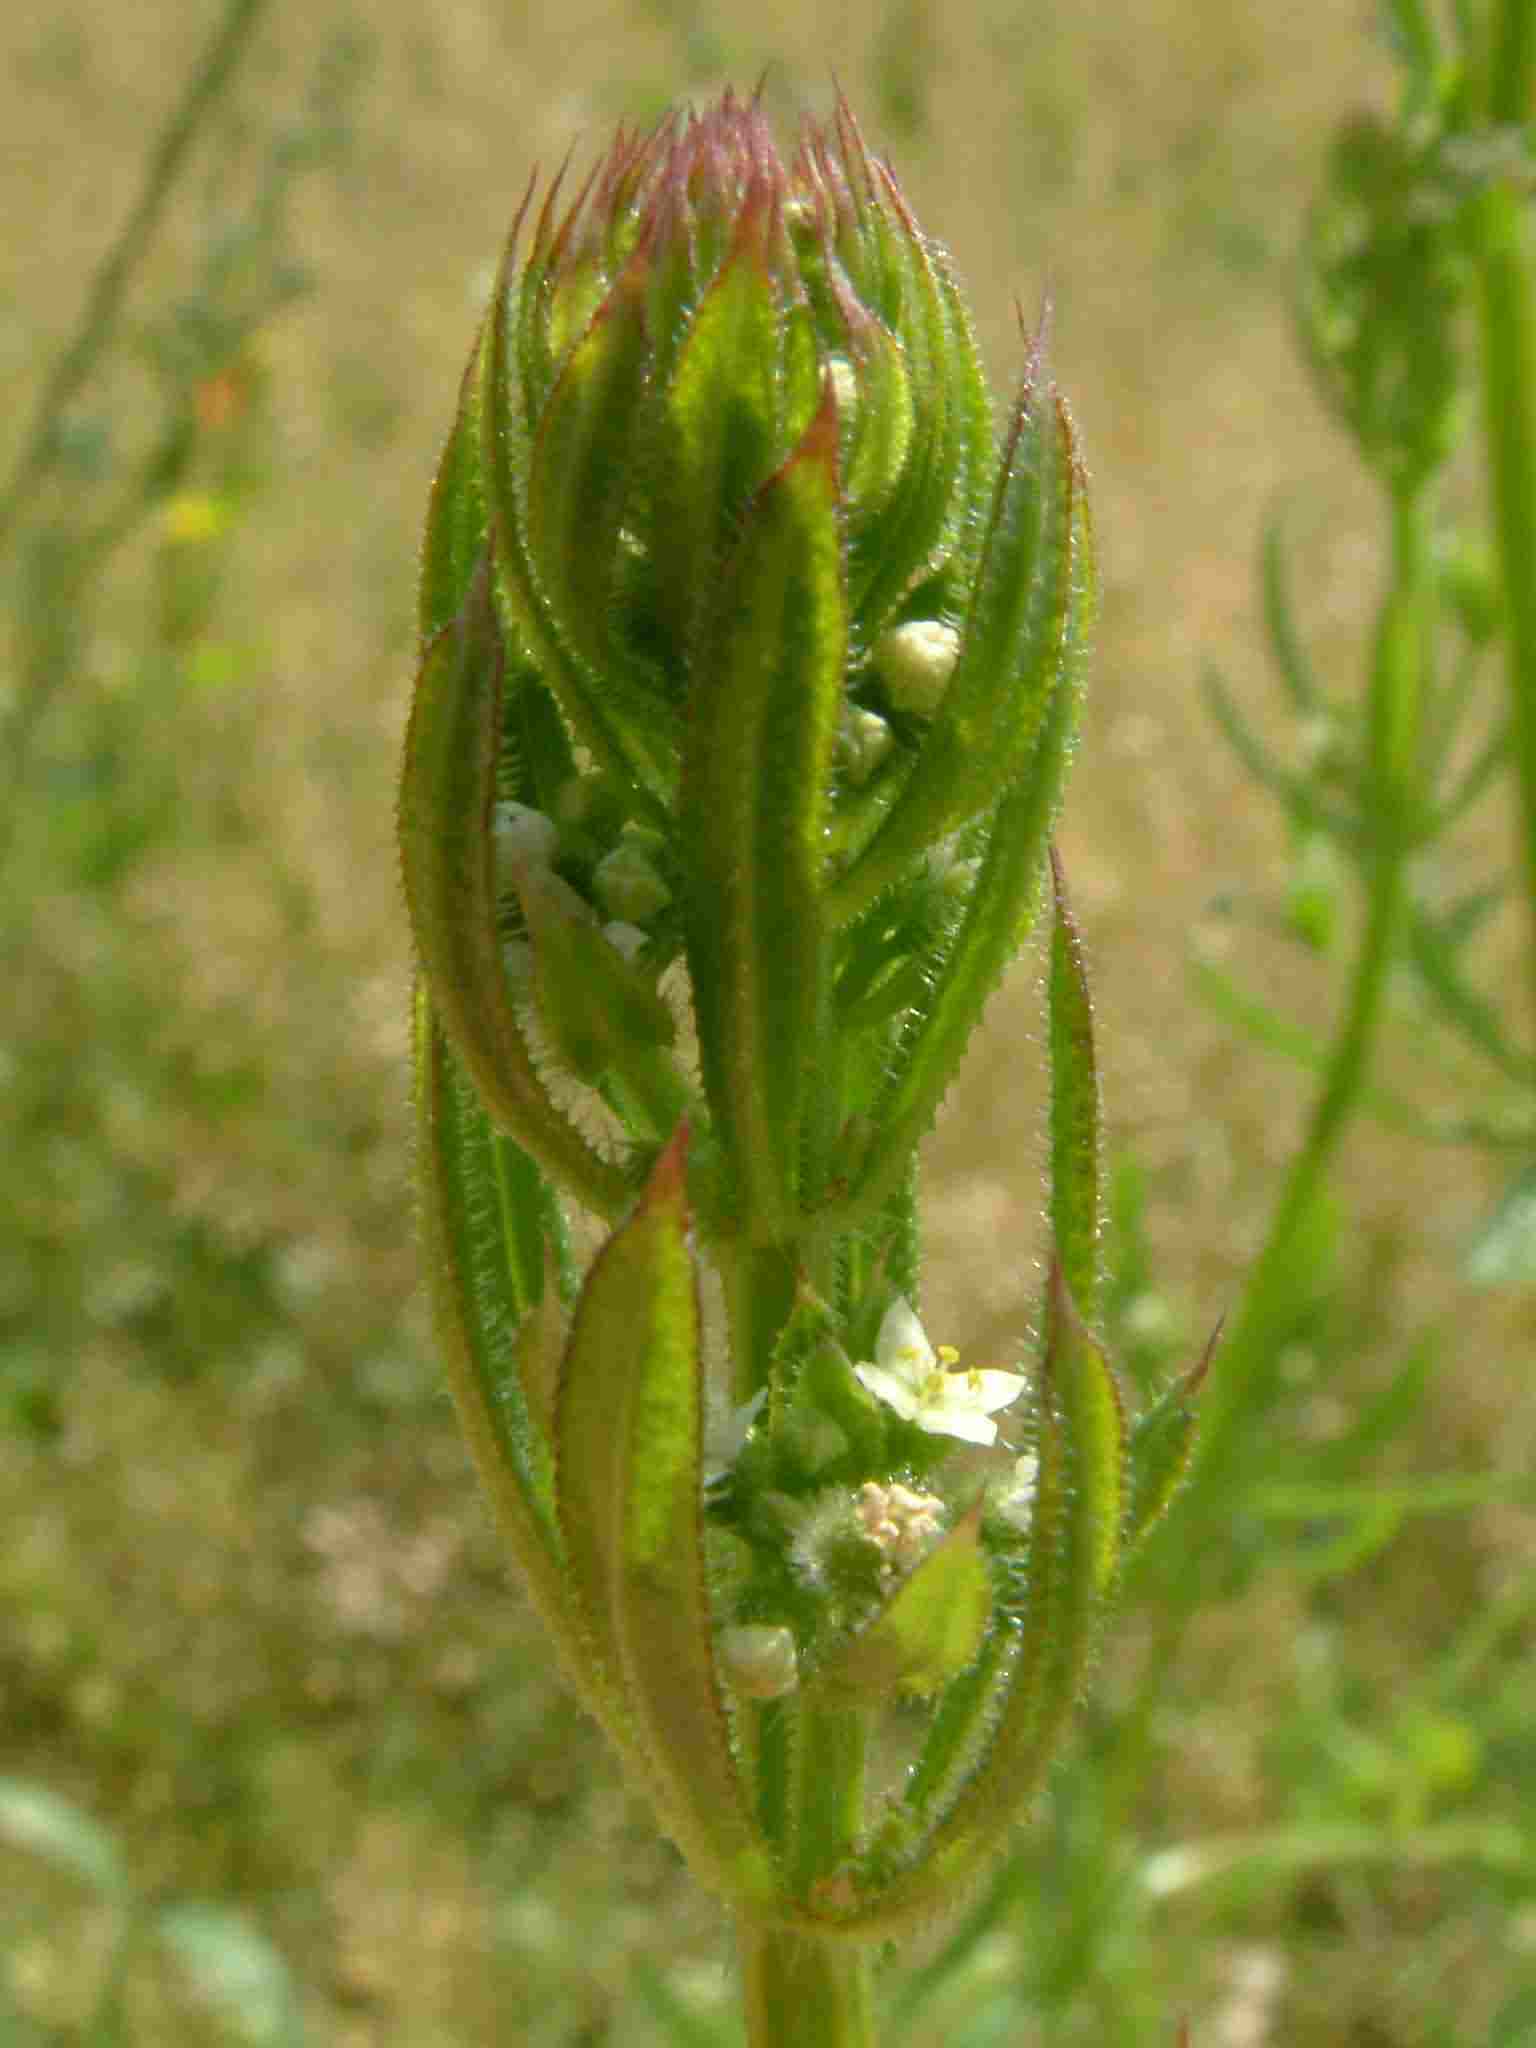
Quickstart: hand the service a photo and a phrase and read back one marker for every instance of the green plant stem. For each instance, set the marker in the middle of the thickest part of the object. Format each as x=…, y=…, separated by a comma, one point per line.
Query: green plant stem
x=204, y=88
x=798, y=1989
x=1396, y=707
x=1505, y=256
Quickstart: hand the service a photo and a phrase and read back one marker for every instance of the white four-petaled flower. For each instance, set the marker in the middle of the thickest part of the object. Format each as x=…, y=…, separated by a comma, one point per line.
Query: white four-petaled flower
x=915, y=1380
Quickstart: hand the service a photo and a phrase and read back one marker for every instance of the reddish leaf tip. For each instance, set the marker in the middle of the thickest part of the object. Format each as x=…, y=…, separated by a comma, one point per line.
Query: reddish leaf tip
x=1195, y=1378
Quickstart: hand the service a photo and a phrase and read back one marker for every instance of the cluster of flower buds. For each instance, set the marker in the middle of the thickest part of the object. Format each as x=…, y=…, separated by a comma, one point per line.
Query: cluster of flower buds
x=752, y=658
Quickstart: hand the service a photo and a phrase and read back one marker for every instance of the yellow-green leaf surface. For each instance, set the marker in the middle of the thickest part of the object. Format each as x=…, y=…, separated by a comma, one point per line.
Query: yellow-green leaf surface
x=484, y=1314
x=755, y=785
x=926, y=1633
x=1075, y=1197
x=629, y=1492
x=445, y=844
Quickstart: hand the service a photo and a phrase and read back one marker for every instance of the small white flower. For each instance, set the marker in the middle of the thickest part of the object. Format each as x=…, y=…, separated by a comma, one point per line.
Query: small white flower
x=914, y=1379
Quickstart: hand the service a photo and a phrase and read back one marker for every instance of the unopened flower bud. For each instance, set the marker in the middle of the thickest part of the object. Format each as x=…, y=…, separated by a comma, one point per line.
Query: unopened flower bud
x=758, y=1661
x=523, y=838
x=863, y=742
x=628, y=884
x=915, y=663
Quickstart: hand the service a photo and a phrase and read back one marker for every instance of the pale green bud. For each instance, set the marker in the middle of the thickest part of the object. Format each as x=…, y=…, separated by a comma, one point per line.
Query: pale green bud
x=758, y=1661
x=915, y=663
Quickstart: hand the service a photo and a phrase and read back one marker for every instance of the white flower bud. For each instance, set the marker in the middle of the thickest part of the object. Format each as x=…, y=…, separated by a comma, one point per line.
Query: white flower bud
x=522, y=838
x=915, y=662
x=863, y=741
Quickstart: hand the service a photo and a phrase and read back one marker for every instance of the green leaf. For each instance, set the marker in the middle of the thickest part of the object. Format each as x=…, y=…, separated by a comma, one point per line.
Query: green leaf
x=1162, y=1444
x=455, y=535
x=581, y=467
x=1093, y=1424
x=37, y=1820
x=926, y=1633
x=768, y=689
x=998, y=915
x=447, y=789
x=1075, y=1159
x=619, y=725
x=602, y=1014
x=720, y=429
x=1017, y=640
x=629, y=1436
x=486, y=1222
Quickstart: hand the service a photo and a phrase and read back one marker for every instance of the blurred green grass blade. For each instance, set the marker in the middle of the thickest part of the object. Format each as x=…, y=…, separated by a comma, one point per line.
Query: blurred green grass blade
x=629, y=1452
x=1482, y=772
x=1383, y=1418
x=206, y=85
x=1267, y=1028
x=1285, y=642
x=1298, y=794
x=1076, y=1199
x=446, y=793
x=1281, y=1853
x=236, y=1970
x=1479, y=1022
x=754, y=797
x=37, y=1820
x=679, y=2023
x=926, y=1633
x=1503, y=1250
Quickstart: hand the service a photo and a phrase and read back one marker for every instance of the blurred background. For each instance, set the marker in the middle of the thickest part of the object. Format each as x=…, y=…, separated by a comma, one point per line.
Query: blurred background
x=281, y=1755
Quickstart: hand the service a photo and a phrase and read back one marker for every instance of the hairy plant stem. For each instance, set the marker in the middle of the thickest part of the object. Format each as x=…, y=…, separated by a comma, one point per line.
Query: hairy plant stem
x=798, y=1988
x=808, y=1761
x=1506, y=272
